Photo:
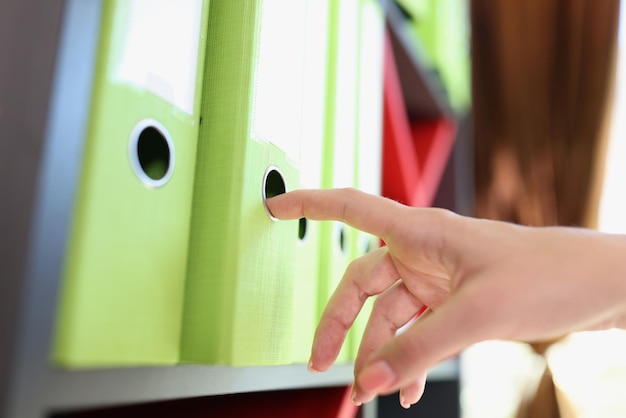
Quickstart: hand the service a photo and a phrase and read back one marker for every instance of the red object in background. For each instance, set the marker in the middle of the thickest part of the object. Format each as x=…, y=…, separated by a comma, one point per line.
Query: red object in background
x=415, y=152
x=433, y=141
x=301, y=403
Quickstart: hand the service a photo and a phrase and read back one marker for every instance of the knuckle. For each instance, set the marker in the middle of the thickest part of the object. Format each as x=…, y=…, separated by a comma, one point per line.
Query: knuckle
x=382, y=307
x=354, y=270
x=349, y=195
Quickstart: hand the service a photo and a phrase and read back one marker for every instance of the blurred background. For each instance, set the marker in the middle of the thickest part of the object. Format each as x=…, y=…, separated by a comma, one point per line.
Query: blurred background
x=549, y=97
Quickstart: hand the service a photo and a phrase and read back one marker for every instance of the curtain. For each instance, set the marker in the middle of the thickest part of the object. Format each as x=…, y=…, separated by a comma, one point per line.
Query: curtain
x=542, y=80
x=542, y=76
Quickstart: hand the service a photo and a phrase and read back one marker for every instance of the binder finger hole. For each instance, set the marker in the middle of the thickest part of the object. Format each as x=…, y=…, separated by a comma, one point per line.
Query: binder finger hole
x=151, y=153
x=302, y=228
x=368, y=245
x=340, y=238
x=273, y=185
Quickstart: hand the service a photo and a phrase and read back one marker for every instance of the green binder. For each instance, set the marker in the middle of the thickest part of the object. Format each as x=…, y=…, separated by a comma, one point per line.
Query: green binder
x=122, y=297
x=368, y=151
x=240, y=288
x=306, y=269
x=337, y=240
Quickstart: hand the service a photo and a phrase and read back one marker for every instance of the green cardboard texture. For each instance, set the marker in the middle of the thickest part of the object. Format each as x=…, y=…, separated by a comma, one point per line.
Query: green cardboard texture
x=122, y=297
x=306, y=271
x=240, y=287
x=368, y=150
x=337, y=241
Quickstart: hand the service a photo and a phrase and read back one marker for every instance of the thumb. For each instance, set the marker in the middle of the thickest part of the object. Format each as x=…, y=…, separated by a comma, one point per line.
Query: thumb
x=457, y=324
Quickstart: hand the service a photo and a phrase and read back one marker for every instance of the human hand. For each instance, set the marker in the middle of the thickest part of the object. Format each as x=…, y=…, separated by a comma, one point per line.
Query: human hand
x=481, y=279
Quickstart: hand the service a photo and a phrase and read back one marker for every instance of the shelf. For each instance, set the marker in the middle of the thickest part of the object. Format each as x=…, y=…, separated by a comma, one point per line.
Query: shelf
x=301, y=403
x=42, y=211
x=66, y=391
x=54, y=390
x=72, y=390
x=424, y=94
x=415, y=150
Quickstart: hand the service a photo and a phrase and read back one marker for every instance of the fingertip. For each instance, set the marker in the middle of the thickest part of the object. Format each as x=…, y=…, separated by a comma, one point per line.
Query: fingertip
x=412, y=393
x=311, y=367
x=321, y=360
x=275, y=208
x=359, y=398
x=403, y=401
x=354, y=398
x=377, y=377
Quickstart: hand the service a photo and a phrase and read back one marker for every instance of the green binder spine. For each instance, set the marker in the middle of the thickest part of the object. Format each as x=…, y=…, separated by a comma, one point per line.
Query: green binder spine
x=369, y=145
x=337, y=240
x=306, y=272
x=240, y=288
x=122, y=296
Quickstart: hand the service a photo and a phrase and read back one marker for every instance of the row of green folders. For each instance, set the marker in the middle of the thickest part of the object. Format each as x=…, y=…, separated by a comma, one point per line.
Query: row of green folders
x=199, y=108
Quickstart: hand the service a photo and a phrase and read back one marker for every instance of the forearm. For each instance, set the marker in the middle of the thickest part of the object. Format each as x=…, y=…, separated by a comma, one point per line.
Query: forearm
x=579, y=272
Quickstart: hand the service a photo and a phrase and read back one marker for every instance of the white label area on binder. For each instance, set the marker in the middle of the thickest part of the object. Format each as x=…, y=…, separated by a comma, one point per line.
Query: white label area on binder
x=372, y=44
x=314, y=94
x=346, y=100
x=159, y=48
x=279, y=75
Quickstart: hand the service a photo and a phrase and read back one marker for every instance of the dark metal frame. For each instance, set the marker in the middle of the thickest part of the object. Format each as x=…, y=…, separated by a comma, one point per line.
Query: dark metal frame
x=28, y=48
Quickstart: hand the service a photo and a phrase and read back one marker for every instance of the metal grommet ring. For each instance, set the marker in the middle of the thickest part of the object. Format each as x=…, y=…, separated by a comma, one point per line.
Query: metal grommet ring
x=273, y=185
x=158, y=151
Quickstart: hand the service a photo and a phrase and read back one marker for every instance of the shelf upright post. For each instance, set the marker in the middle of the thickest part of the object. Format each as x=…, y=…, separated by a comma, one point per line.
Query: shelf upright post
x=47, y=58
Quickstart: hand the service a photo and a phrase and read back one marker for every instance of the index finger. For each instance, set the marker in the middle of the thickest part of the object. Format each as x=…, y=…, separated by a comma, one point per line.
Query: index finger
x=369, y=213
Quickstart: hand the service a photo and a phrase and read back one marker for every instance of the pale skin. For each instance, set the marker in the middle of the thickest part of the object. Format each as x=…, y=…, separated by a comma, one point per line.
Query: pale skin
x=481, y=280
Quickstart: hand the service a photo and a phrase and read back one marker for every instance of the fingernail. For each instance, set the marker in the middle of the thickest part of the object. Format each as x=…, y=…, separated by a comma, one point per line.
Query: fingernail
x=361, y=398
x=403, y=401
x=377, y=377
x=355, y=402
x=312, y=368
